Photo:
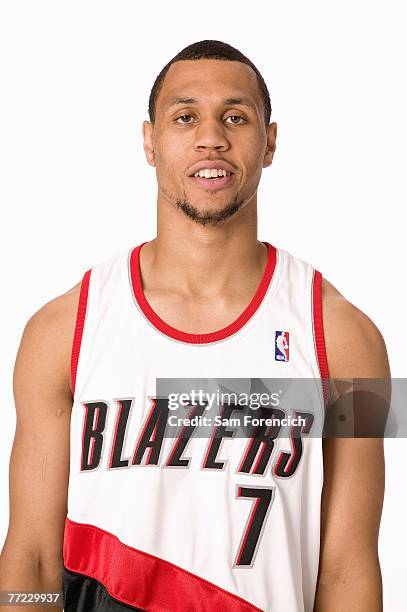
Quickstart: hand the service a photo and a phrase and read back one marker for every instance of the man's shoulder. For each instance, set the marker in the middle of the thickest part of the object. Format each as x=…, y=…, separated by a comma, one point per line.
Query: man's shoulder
x=57, y=312
x=60, y=311
x=354, y=344
x=46, y=342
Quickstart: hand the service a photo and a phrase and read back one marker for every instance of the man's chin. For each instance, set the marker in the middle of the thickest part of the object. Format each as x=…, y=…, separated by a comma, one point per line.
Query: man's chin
x=209, y=216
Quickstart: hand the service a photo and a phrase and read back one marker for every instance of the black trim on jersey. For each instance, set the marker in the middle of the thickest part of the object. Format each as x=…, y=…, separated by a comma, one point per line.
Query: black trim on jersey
x=84, y=594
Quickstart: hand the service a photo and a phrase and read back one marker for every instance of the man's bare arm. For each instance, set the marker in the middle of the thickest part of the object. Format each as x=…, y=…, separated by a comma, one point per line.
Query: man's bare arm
x=31, y=559
x=349, y=573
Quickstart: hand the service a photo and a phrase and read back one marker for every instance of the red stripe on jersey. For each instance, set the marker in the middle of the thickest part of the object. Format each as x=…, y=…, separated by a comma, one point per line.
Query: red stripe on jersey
x=220, y=334
x=319, y=333
x=80, y=321
x=137, y=578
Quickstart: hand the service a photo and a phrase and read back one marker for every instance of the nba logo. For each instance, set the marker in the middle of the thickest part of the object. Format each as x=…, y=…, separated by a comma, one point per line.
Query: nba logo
x=282, y=346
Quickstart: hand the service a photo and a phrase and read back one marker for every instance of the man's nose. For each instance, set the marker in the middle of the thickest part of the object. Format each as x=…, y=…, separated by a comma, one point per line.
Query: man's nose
x=210, y=134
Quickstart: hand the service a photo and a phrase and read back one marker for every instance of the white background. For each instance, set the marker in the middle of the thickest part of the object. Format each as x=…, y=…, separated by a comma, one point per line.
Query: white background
x=75, y=188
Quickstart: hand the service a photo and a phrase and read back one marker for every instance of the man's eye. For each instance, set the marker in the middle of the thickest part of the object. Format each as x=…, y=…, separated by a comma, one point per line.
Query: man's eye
x=185, y=119
x=235, y=119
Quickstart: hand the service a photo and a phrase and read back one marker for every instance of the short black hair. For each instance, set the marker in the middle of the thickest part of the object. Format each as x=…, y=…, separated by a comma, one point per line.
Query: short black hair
x=209, y=49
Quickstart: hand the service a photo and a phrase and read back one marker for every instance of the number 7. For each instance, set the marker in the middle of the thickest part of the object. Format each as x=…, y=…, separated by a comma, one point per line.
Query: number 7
x=255, y=523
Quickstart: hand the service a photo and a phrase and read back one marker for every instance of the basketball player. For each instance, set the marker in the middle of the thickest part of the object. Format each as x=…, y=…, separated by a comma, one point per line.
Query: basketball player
x=166, y=523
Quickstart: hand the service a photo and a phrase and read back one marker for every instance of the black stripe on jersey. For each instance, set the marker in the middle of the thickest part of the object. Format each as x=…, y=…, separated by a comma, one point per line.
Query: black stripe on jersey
x=84, y=594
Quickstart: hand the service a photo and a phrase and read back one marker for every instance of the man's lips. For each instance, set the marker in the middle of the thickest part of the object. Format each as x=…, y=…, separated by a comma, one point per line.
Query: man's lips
x=213, y=183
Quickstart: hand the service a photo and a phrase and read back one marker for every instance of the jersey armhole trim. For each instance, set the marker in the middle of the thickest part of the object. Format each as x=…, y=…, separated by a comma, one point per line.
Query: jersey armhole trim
x=319, y=337
x=80, y=322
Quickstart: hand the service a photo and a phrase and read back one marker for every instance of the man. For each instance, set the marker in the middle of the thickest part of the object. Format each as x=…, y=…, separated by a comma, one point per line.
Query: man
x=153, y=521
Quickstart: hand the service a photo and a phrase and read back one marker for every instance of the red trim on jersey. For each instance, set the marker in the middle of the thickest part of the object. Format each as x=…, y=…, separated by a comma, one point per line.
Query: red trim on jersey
x=319, y=333
x=139, y=579
x=80, y=321
x=220, y=334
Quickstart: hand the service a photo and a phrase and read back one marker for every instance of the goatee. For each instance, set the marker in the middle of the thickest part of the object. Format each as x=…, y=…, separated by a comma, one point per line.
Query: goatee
x=208, y=217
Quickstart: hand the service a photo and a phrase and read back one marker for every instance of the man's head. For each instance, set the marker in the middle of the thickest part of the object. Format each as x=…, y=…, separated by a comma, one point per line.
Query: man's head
x=209, y=110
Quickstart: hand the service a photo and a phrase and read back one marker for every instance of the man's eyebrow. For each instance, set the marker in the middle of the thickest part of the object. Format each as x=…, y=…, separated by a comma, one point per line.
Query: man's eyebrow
x=239, y=101
x=178, y=100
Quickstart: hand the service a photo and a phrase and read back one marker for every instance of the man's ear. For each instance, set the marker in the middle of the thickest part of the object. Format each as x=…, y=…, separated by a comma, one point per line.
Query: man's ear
x=271, y=144
x=148, y=142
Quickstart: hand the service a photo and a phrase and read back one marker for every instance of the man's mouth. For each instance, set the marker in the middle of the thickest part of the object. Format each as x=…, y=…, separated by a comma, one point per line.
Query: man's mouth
x=212, y=178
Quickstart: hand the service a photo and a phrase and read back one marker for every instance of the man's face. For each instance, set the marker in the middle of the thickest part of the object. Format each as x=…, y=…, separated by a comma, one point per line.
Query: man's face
x=209, y=117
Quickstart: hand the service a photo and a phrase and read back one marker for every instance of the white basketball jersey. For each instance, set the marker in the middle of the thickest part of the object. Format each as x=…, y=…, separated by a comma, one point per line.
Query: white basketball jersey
x=162, y=517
